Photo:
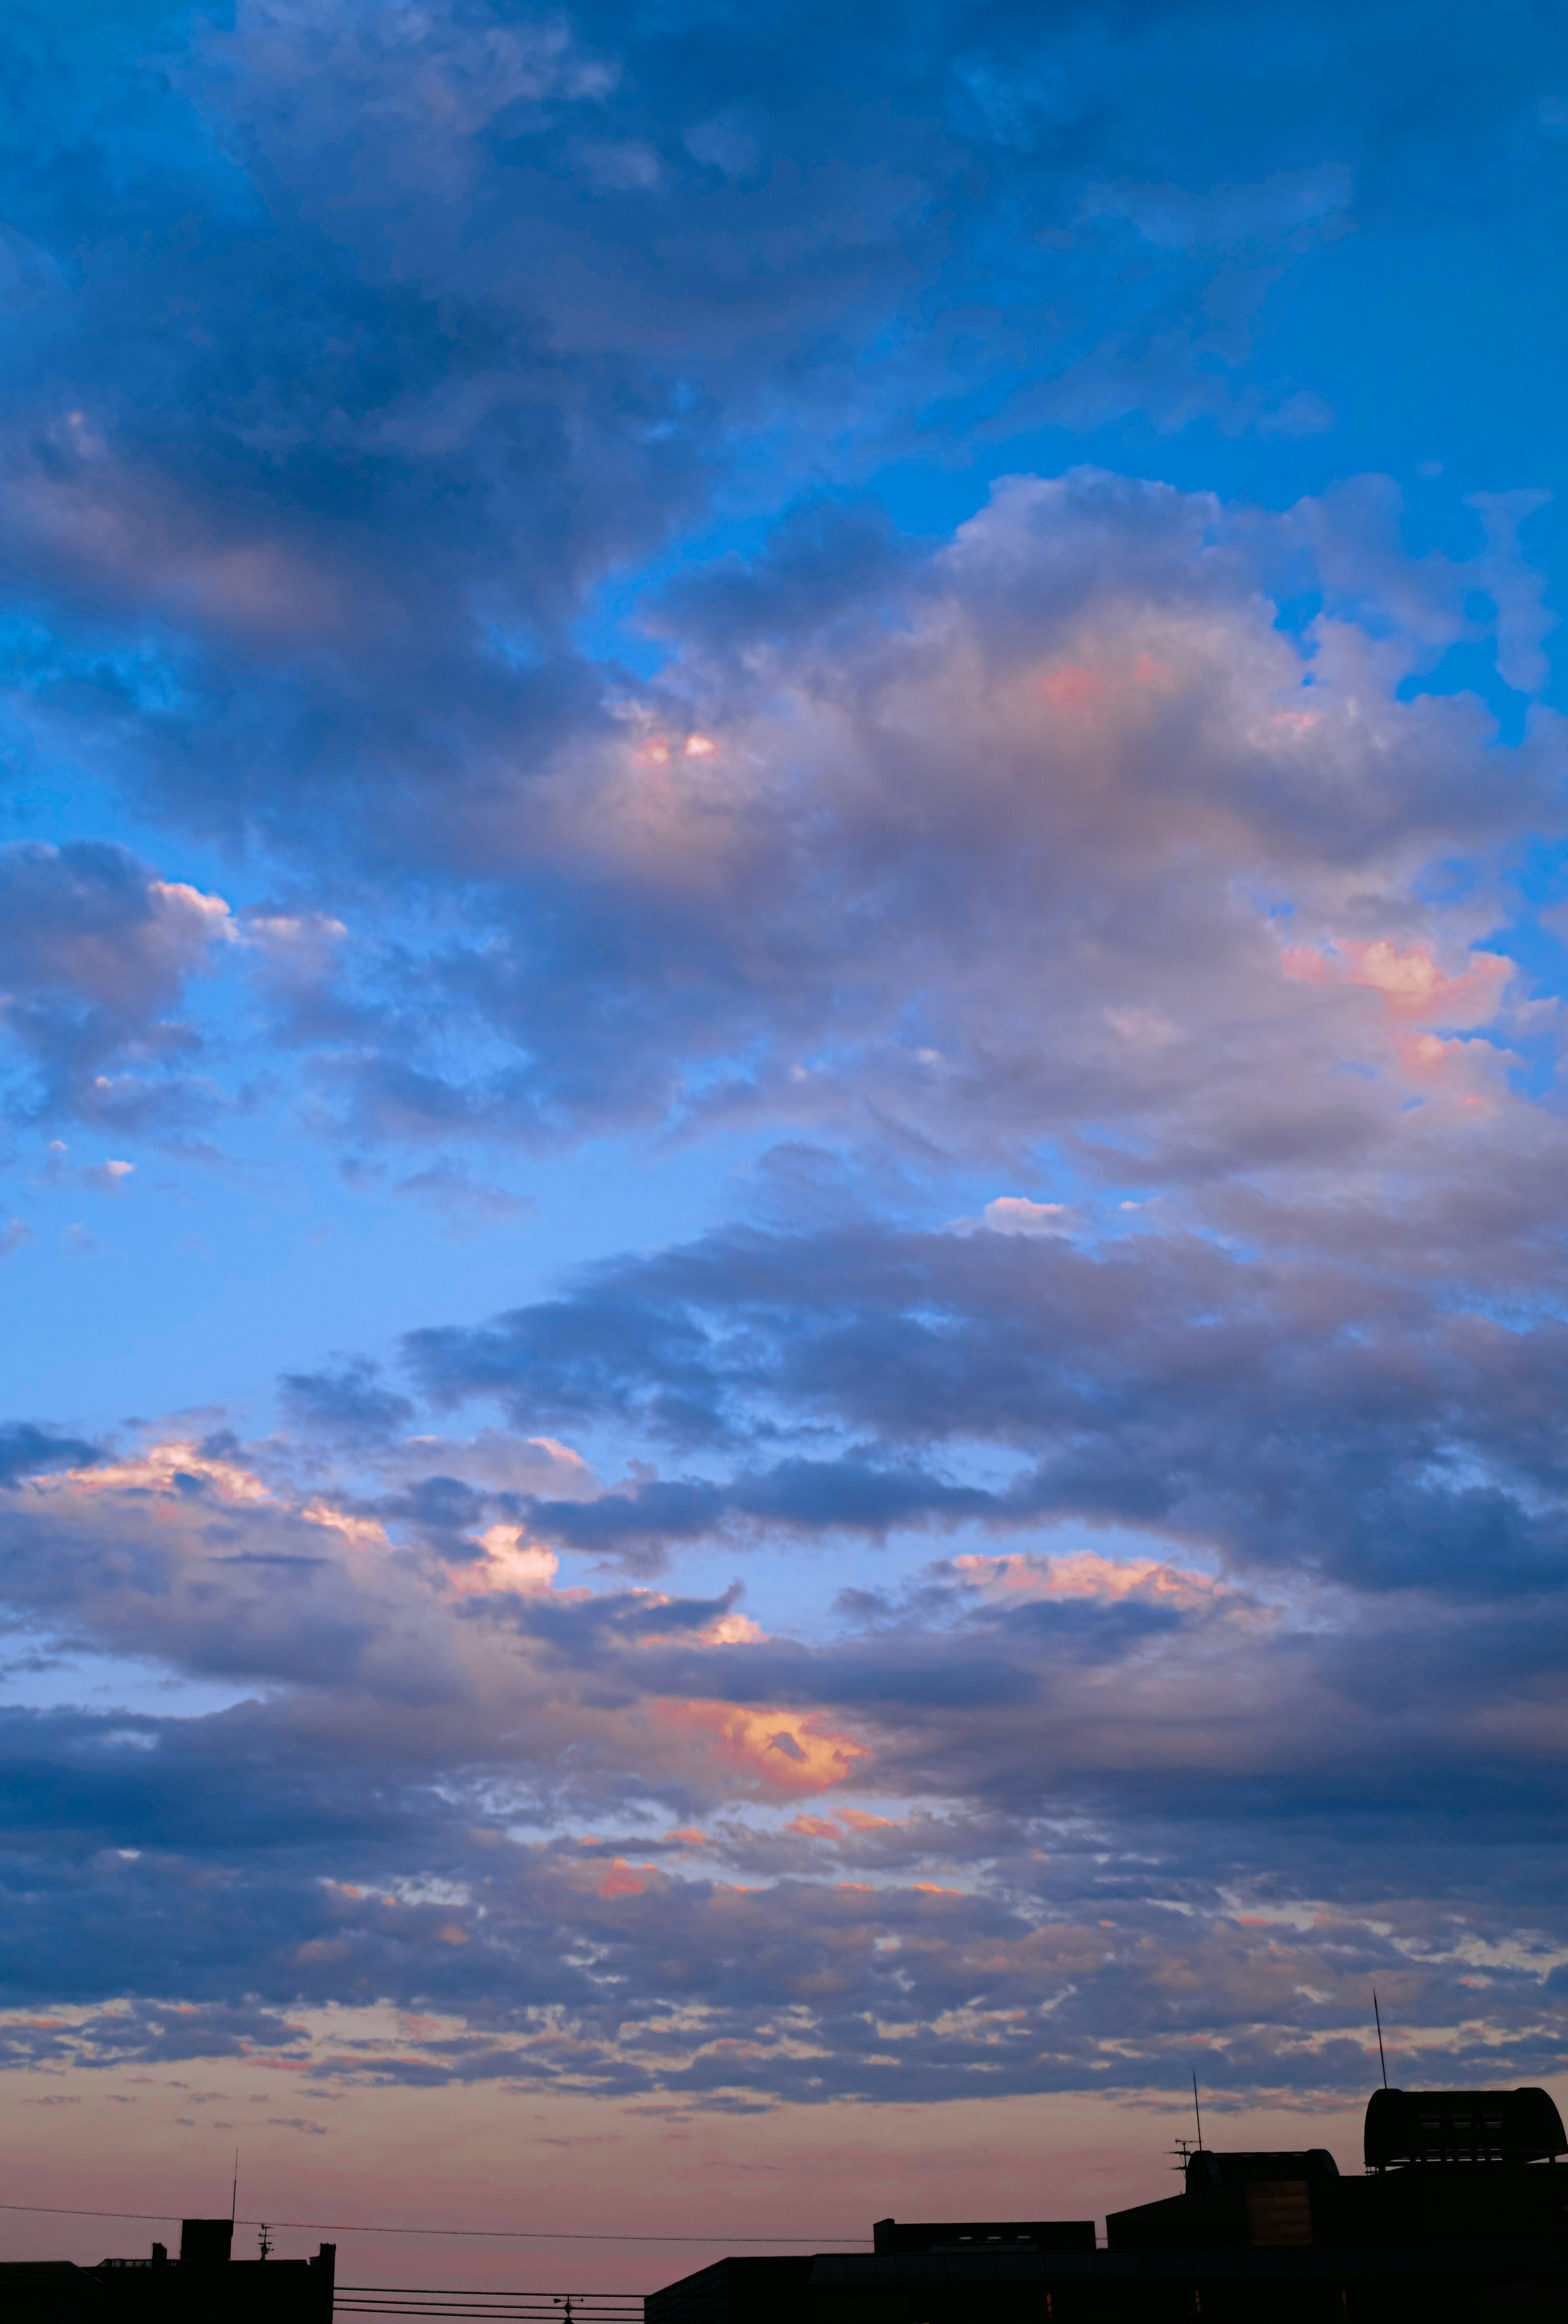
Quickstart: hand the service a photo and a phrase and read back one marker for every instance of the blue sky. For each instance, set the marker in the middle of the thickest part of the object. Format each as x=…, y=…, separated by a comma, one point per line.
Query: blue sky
x=782, y=903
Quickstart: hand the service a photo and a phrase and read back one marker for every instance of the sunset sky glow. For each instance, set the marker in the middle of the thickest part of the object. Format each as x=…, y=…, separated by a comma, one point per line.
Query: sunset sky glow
x=783, y=940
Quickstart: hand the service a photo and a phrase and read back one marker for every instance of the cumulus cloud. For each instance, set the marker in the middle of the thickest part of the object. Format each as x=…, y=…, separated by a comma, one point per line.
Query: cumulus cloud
x=1064, y=780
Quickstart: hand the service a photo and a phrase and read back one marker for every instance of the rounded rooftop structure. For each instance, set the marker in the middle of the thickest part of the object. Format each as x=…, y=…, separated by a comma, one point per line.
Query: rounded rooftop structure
x=1405, y=2127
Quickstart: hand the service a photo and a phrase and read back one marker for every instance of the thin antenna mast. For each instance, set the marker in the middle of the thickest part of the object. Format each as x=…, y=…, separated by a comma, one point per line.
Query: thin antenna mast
x=1378, y=2023
x=234, y=2200
x=1195, y=2111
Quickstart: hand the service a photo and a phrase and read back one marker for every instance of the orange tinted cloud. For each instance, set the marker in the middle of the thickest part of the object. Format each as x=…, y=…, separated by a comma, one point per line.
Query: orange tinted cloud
x=1086, y=1574
x=787, y=1753
x=159, y=1471
x=621, y=1880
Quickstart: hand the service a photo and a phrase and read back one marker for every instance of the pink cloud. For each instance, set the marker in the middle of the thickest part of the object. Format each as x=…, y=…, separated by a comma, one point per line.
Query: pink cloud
x=1412, y=982
x=1413, y=985
x=511, y=1563
x=1075, y=689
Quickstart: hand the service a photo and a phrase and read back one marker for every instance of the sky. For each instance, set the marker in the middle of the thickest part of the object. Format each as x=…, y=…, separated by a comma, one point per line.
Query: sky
x=783, y=900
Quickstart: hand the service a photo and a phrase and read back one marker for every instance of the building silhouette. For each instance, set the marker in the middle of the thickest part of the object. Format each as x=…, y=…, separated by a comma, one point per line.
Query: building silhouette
x=1459, y=2217
x=204, y=2285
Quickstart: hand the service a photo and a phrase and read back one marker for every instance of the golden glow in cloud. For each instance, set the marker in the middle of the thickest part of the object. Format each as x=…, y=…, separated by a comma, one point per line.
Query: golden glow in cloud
x=158, y=1471
x=776, y=1750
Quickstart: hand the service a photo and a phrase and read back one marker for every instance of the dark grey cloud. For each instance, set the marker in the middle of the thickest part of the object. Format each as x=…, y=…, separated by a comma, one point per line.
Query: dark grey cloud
x=1354, y=1422
x=349, y=1399
x=26, y=1450
x=855, y=1496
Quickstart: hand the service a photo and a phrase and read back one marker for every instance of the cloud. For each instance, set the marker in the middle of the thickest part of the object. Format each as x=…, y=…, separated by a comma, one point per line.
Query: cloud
x=277, y=626
x=99, y=1177
x=1355, y=1419
x=494, y=1457
x=28, y=1450
x=1062, y=778
x=95, y=953
x=1016, y=1214
x=349, y=1398
x=1040, y=1816
x=857, y=1494
x=1411, y=981
x=769, y=1748
x=467, y=1203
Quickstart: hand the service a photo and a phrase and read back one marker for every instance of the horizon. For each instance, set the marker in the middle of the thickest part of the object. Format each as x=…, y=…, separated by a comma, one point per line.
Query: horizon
x=496, y=2257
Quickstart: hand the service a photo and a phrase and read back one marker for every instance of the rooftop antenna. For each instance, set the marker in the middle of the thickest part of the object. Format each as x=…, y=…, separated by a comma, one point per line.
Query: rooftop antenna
x=265, y=2240
x=234, y=2200
x=1195, y=2111
x=1378, y=2021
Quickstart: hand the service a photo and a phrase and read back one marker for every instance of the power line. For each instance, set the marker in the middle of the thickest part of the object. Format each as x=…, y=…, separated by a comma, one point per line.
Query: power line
x=510, y=2234
x=372, y=2300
